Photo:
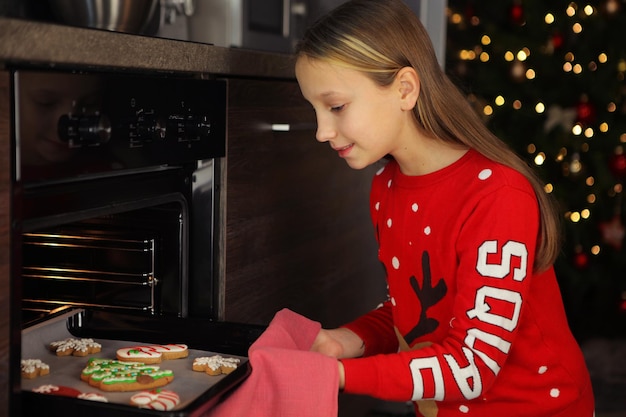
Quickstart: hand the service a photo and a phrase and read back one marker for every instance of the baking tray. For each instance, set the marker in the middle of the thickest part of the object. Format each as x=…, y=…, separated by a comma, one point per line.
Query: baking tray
x=198, y=391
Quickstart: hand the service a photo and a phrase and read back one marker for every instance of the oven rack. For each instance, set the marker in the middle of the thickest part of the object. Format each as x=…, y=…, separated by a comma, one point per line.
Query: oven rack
x=93, y=268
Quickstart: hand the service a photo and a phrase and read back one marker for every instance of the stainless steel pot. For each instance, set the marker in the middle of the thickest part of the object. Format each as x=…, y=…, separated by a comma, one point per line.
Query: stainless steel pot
x=132, y=16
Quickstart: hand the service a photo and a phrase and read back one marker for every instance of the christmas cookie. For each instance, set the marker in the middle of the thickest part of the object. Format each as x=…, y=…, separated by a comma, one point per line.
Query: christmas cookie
x=32, y=368
x=69, y=392
x=57, y=390
x=75, y=347
x=112, y=375
x=93, y=396
x=215, y=365
x=158, y=399
x=152, y=353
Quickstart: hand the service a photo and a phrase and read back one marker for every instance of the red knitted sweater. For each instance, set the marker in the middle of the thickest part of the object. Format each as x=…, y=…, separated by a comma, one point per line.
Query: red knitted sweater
x=468, y=323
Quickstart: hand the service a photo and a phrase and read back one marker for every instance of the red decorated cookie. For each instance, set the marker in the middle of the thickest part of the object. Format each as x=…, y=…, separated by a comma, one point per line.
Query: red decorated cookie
x=158, y=399
x=70, y=392
x=152, y=353
x=57, y=390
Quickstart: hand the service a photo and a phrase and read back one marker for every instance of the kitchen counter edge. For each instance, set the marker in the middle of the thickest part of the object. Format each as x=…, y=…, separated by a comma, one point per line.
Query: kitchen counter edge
x=50, y=45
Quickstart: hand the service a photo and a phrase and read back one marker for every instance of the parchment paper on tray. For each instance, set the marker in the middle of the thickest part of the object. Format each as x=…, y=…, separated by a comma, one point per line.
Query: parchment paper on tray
x=66, y=370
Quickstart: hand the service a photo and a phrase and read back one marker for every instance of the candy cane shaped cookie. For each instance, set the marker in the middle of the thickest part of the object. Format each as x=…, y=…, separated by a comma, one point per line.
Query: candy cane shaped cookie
x=158, y=399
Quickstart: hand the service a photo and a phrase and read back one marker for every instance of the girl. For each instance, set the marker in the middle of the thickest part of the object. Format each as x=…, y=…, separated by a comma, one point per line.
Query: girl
x=474, y=324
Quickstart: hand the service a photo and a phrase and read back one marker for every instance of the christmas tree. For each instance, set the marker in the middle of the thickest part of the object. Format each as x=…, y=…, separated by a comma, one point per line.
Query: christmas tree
x=548, y=79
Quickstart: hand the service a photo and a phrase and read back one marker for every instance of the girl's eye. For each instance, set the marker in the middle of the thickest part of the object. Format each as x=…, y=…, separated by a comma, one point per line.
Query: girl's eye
x=337, y=108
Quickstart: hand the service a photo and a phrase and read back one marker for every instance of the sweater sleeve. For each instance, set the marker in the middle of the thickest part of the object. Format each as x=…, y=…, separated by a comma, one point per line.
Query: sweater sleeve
x=495, y=253
x=376, y=330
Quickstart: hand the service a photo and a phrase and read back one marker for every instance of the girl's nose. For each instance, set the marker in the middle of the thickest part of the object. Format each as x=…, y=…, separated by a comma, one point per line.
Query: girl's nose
x=325, y=130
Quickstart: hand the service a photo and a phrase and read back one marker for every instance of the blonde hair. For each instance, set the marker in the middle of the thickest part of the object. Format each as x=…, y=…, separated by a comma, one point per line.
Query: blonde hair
x=380, y=37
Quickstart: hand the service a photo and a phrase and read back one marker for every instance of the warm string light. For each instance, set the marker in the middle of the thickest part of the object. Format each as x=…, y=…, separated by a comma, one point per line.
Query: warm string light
x=518, y=59
x=570, y=66
x=530, y=74
x=522, y=55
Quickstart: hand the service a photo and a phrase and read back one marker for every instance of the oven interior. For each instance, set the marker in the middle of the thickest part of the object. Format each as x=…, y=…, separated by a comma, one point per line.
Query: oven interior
x=119, y=243
x=129, y=261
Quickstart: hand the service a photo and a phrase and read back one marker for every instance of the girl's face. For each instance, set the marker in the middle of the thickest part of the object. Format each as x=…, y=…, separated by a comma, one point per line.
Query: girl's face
x=360, y=120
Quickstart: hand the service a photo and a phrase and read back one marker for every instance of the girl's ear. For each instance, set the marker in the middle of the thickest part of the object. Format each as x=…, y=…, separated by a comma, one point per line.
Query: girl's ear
x=408, y=84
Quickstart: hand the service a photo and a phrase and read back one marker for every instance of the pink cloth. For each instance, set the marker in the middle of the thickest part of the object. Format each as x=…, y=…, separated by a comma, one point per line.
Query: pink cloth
x=287, y=379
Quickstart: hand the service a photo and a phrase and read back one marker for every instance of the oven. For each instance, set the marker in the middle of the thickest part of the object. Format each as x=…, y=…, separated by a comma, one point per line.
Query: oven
x=115, y=194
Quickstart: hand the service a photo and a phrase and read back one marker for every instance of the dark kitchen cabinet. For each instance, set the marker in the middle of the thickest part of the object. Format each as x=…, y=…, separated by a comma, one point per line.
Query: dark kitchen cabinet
x=297, y=227
x=5, y=257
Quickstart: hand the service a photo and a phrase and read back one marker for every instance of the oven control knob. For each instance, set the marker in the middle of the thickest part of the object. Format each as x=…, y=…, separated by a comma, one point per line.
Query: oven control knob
x=84, y=130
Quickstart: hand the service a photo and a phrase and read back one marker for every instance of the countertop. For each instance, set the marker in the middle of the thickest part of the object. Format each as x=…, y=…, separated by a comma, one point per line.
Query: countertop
x=44, y=44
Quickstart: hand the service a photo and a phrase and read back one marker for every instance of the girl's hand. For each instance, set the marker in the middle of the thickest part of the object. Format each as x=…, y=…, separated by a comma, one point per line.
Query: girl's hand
x=338, y=343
